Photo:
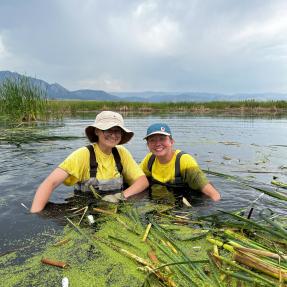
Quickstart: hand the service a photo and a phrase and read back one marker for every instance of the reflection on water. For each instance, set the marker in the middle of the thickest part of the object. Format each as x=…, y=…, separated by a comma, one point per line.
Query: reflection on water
x=254, y=149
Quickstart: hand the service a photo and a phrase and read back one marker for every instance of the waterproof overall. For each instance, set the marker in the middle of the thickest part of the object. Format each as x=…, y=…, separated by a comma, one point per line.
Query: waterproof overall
x=103, y=186
x=177, y=186
x=177, y=182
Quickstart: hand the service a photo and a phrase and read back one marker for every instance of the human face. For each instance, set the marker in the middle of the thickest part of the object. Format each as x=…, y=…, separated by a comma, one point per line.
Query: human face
x=161, y=146
x=109, y=138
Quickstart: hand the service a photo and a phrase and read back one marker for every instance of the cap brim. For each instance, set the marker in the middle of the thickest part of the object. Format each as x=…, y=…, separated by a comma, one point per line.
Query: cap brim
x=157, y=133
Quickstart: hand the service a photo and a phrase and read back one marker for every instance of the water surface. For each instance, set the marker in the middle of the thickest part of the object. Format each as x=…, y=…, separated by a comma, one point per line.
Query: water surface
x=251, y=148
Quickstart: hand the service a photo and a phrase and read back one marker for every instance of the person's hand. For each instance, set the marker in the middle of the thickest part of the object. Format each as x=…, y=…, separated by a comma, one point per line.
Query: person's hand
x=114, y=198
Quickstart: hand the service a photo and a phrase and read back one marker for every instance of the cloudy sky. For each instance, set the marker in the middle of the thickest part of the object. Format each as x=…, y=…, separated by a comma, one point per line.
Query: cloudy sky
x=225, y=46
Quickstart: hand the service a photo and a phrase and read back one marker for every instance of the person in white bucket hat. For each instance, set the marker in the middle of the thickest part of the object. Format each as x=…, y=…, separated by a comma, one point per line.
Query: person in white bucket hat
x=104, y=167
x=106, y=120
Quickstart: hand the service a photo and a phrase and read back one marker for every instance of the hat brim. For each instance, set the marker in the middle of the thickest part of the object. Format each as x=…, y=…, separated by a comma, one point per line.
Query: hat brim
x=157, y=133
x=91, y=135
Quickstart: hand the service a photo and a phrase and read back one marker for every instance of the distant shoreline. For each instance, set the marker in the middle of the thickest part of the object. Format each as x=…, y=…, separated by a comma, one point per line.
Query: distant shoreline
x=207, y=108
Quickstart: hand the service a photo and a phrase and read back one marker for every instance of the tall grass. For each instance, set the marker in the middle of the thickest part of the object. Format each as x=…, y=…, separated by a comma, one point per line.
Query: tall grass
x=22, y=101
x=242, y=107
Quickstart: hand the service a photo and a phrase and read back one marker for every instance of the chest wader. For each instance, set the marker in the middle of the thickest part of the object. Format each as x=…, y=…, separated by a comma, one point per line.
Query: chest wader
x=177, y=186
x=96, y=187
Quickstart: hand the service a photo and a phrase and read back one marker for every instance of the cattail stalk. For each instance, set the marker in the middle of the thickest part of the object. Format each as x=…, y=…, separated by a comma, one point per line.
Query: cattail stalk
x=231, y=263
x=140, y=260
x=85, y=211
x=61, y=242
x=261, y=252
x=146, y=232
x=103, y=211
x=256, y=263
x=54, y=263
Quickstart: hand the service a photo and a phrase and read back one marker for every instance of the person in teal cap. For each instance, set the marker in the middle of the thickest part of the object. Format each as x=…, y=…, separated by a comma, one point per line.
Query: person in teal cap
x=171, y=167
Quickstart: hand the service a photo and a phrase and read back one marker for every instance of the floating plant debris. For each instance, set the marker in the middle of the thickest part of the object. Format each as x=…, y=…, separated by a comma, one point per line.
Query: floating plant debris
x=141, y=246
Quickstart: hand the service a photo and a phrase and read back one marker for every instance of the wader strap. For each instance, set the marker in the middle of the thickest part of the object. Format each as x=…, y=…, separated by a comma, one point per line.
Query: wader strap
x=93, y=161
x=177, y=175
x=94, y=164
x=117, y=159
x=150, y=162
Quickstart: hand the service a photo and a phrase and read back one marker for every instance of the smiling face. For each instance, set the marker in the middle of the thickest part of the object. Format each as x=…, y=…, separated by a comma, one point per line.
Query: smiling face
x=161, y=146
x=108, y=139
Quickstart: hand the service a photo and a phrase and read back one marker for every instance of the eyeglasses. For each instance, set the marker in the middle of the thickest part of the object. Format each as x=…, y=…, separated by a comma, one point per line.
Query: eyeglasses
x=152, y=140
x=111, y=131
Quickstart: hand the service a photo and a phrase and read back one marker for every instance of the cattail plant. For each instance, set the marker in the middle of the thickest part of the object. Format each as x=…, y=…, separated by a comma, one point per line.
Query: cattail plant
x=21, y=100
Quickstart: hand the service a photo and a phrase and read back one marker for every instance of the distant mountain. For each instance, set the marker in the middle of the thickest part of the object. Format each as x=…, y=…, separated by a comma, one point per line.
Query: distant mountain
x=141, y=95
x=197, y=96
x=56, y=91
x=53, y=90
x=92, y=94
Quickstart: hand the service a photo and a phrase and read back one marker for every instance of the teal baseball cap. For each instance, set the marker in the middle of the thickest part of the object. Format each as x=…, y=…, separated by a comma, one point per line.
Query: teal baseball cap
x=158, y=128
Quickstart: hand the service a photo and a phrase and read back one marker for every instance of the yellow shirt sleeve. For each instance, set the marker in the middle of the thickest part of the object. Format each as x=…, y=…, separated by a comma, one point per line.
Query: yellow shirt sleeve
x=77, y=165
x=191, y=172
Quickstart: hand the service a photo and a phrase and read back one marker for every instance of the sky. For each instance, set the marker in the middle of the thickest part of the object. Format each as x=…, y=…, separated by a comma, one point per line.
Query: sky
x=221, y=46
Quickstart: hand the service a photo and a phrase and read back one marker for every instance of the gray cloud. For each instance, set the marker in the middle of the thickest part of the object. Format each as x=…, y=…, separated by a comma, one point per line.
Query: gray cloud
x=216, y=46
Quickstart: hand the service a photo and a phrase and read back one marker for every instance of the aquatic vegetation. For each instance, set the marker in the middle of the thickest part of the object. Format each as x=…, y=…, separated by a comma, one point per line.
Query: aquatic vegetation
x=248, y=107
x=3, y=202
x=143, y=246
x=23, y=134
x=280, y=184
x=251, y=184
x=22, y=101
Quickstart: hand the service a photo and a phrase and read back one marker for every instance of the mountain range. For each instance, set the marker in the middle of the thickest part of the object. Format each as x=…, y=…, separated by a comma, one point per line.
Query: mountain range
x=56, y=91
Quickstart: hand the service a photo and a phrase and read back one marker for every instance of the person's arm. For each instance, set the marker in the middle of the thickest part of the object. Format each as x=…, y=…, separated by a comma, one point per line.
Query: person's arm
x=133, y=174
x=211, y=192
x=138, y=186
x=46, y=188
x=195, y=177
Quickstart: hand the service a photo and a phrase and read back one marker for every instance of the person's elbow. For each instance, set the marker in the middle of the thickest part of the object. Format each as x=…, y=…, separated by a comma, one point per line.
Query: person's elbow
x=216, y=196
x=46, y=188
x=211, y=192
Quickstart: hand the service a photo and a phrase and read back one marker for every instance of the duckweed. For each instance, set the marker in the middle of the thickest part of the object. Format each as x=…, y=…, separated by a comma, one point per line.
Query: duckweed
x=109, y=253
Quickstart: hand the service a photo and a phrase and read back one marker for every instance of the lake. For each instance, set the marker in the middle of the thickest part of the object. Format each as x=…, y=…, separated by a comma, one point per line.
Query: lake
x=251, y=148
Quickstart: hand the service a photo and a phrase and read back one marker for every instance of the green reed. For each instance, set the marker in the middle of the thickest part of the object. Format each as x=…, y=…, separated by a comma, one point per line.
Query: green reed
x=22, y=101
x=72, y=107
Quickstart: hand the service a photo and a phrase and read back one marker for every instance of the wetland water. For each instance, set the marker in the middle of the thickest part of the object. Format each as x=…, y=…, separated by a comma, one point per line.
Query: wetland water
x=253, y=148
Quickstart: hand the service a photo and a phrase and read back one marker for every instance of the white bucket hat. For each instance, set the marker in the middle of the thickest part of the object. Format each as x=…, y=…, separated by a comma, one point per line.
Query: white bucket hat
x=106, y=120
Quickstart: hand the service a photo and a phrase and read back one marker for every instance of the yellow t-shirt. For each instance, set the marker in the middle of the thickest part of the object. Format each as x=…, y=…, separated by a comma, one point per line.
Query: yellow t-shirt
x=77, y=165
x=189, y=169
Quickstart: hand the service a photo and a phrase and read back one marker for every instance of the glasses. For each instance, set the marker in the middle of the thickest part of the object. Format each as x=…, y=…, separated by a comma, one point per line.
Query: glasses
x=113, y=131
x=157, y=139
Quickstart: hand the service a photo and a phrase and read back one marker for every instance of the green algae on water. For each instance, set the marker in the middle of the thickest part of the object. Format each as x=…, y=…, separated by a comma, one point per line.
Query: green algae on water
x=109, y=253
